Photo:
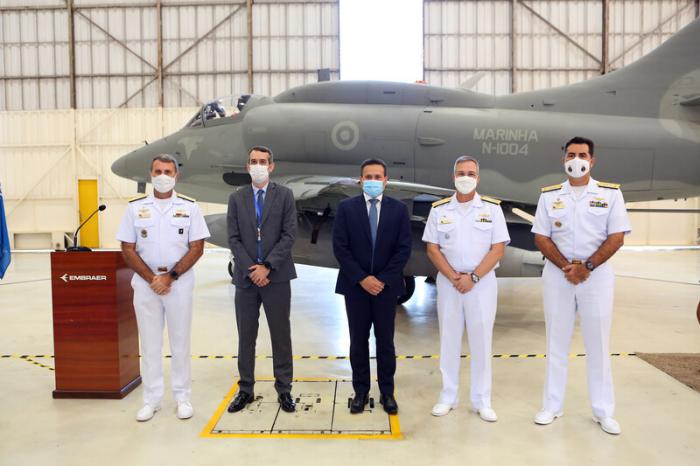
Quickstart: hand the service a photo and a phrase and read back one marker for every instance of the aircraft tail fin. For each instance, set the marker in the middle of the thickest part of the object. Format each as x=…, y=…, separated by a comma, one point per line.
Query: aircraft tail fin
x=664, y=83
x=670, y=62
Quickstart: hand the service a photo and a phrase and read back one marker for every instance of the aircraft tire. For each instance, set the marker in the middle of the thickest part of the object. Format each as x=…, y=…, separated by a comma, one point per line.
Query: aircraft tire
x=410, y=283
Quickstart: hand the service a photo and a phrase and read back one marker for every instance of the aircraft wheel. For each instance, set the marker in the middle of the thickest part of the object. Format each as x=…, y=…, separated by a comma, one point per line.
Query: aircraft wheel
x=230, y=268
x=410, y=283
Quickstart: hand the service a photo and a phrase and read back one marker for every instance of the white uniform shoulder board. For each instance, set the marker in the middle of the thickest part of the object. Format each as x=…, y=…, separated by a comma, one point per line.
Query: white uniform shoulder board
x=553, y=187
x=492, y=200
x=138, y=198
x=442, y=201
x=602, y=184
x=182, y=196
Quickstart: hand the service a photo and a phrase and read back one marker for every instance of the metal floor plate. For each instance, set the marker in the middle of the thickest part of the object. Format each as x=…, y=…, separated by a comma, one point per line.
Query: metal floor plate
x=322, y=412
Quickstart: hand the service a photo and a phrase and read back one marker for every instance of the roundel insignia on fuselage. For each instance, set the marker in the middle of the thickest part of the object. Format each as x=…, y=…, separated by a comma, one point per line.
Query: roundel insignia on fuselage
x=345, y=135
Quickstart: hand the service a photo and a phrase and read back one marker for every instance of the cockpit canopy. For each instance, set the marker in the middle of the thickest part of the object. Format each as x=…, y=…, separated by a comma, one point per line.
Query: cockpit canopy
x=219, y=109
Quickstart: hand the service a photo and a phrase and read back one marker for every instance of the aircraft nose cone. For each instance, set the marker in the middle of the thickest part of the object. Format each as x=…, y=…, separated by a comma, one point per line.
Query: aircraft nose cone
x=119, y=167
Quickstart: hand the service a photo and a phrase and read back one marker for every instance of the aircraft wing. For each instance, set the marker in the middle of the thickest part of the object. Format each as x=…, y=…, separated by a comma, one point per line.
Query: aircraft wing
x=315, y=192
x=308, y=187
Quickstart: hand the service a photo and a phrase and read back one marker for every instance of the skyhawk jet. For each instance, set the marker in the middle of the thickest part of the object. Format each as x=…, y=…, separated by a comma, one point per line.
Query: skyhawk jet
x=644, y=118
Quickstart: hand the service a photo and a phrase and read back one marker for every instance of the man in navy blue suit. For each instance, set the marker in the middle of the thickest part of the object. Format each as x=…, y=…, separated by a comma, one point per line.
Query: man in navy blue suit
x=372, y=243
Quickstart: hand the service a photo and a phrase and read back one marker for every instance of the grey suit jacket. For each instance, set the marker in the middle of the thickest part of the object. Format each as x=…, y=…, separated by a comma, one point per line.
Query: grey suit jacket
x=279, y=229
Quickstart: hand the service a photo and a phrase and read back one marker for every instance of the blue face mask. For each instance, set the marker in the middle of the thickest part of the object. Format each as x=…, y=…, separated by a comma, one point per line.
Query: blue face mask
x=373, y=188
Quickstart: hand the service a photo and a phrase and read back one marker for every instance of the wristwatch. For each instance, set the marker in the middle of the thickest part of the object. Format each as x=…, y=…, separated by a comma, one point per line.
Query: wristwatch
x=267, y=265
x=475, y=278
x=590, y=266
x=174, y=275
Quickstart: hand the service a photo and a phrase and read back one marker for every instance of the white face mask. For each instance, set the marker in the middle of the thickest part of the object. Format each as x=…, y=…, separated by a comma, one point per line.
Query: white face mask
x=259, y=173
x=576, y=168
x=163, y=183
x=465, y=184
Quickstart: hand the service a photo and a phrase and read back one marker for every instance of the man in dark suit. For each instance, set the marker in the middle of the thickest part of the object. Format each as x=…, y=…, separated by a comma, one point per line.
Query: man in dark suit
x=372, y=243
x=262, y=225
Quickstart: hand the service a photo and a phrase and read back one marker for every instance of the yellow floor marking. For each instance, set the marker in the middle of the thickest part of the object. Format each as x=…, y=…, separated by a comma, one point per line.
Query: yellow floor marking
x=207, y=432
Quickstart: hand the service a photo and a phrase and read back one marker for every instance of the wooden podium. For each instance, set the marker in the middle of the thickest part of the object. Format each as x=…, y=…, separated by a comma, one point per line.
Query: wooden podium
x=95, y=337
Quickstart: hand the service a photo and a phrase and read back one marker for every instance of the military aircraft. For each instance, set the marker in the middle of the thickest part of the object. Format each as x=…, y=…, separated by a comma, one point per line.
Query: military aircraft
x=644, y=118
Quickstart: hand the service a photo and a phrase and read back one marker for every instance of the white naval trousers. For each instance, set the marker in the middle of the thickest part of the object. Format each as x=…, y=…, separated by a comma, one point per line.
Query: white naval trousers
x=477, y=310
x=593, y=300
x=152, y=313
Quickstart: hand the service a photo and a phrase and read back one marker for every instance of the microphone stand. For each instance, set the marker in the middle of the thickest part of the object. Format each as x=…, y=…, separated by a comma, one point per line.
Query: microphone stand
x=75, y=247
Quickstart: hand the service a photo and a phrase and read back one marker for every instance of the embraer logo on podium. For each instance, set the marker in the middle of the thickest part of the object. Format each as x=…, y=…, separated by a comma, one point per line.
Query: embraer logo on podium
x=70, y=278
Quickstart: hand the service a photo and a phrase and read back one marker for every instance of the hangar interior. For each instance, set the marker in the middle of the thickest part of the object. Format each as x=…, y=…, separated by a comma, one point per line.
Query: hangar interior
x=86, y=81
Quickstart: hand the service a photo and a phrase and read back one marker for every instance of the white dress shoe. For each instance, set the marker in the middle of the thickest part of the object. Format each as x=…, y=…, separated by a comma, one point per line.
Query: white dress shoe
x=487, y=414
x=609, y=425
x=146, y=413
x=184, y=410
x=440, y=409
x=545, y=417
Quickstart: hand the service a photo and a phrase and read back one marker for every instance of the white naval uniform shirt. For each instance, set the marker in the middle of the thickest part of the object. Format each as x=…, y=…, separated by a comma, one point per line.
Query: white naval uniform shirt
x=579, y=226
x=162, y=237
x=465, y=238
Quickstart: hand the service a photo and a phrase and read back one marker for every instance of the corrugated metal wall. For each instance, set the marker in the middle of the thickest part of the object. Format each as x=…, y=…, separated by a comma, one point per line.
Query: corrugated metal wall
x=204, y=51
x=291, y=42
x=521, y=45
x=34, y=44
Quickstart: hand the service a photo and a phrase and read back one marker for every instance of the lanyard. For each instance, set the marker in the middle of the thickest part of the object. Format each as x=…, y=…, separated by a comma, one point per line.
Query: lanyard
x=259, y=203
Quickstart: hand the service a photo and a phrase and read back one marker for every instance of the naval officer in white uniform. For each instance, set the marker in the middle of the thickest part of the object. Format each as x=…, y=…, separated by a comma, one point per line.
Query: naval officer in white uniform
x=466, y=235
x=162, y=237
x=579, y=225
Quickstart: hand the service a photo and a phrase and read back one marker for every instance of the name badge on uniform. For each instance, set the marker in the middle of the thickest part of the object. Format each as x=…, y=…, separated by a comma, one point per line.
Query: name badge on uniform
x=599, y=202
x=558, y=204
x=181, y=214
x=445, y=221
x=484, y=218
x=144, y=212
x=144, y=233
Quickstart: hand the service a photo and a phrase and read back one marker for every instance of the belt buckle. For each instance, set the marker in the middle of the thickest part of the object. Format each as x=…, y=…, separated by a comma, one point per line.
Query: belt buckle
x=162, y=269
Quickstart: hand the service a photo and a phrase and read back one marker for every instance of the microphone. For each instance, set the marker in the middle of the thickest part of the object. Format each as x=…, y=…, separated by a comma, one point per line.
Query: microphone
x=75, y=246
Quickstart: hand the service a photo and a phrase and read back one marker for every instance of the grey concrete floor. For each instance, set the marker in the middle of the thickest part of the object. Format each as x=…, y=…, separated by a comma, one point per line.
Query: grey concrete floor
x=656, y=296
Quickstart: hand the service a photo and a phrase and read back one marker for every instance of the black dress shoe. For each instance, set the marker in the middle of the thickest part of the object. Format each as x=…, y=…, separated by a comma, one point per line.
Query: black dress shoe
x=286, y=402
x=358, y=403
x=389, y=403
x=239, y=401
